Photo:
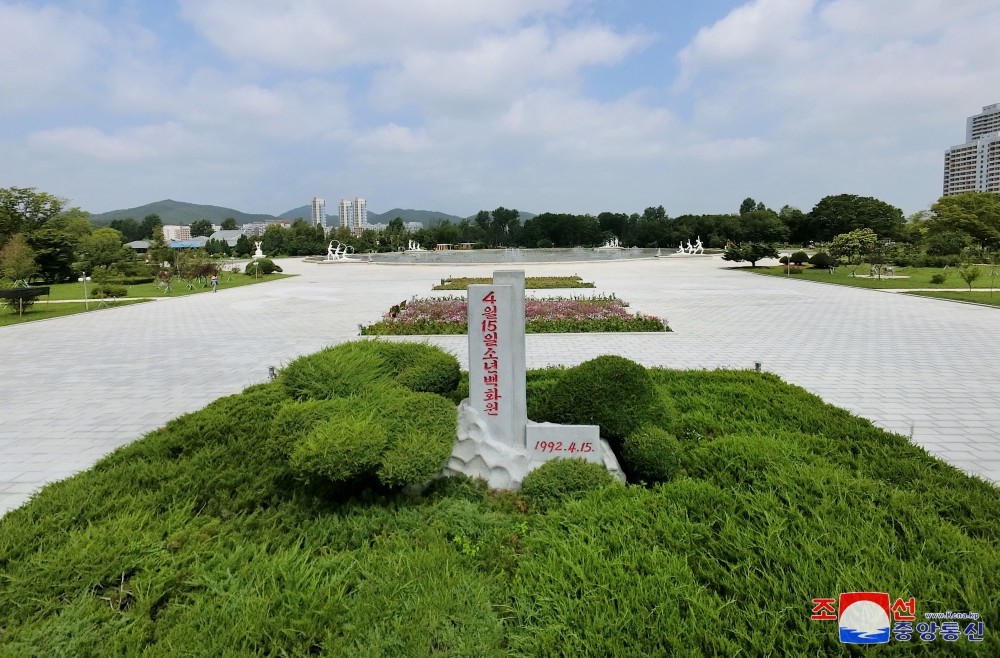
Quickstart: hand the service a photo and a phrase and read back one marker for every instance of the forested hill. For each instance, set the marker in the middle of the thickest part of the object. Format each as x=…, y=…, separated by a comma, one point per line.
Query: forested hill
x=179, y=212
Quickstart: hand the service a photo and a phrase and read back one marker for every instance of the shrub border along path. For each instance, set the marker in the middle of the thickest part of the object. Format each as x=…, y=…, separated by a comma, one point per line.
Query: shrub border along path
x=85, y=385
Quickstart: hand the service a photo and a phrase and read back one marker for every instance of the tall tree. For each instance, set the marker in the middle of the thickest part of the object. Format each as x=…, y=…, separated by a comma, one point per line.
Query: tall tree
x=976, y=214
x=150, y=223
x=201, y=227
x=762, y=226
x=129, y=228
x=102, y=248
x=23, y=210
x=229, y=224
x=843, y=213
x=748, y=205
x=854, y=246
x=17, y=260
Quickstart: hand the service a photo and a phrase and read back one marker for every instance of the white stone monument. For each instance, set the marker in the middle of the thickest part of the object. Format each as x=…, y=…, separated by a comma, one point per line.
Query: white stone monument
x=496, y=441
x=258, y=253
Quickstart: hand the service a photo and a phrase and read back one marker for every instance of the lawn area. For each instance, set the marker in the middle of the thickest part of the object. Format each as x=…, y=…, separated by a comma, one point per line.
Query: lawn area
x=42, y=311
x=74, y=290
x=215, y=535
x=530, y=283
x=979, y=297
x=920, y=277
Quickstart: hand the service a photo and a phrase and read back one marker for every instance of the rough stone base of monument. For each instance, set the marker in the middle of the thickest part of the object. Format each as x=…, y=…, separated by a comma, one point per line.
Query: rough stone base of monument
x=478, y=455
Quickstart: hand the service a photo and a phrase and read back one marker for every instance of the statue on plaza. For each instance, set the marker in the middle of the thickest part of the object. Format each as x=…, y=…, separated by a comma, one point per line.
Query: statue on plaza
x=258, y=253
x=698, y=248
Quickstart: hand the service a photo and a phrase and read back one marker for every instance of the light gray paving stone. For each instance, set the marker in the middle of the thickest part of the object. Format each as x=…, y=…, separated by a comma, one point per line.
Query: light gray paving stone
x=106, y=379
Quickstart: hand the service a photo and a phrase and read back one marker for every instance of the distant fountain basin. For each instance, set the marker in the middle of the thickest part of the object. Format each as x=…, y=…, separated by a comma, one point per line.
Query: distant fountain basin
x=500, y=256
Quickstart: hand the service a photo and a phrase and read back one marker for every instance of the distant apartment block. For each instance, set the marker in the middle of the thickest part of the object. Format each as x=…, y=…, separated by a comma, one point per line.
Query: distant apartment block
x=175, y=233
x=255, y=229
x=975, y=165
x=353, y=214
x=319, y=212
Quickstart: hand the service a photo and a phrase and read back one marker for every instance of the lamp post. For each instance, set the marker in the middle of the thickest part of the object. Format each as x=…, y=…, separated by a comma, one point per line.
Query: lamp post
x=86, y=300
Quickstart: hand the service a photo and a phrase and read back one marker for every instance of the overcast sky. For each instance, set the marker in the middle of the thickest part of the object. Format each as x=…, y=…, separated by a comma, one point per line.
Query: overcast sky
x=454, y=105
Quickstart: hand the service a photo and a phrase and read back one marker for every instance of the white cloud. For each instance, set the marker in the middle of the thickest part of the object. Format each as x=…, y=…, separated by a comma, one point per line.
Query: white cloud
x=760, y=29
x=494, y=70
x=394, y=140
x=141, y=143
x=572, y=128
x=315, y=35
x=46, y=56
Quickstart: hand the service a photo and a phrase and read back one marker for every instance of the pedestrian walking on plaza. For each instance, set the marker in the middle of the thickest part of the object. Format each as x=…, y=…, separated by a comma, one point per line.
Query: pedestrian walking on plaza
x=215, y=283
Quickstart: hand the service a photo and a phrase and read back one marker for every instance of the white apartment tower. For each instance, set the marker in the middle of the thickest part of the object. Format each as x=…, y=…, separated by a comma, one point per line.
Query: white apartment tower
x=975, y=165
x=319, y=212
x=353, y=214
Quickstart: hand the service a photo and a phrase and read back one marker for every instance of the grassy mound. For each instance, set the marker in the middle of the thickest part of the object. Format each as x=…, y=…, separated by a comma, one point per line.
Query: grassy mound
x=202, y=539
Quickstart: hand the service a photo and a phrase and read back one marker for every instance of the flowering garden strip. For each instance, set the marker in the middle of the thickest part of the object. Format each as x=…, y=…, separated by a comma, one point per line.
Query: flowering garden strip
x=552, y=315
x=531, y=282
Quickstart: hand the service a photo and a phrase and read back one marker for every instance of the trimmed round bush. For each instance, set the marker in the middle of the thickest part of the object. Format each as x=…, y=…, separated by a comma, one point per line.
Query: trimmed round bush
x=264, y=266
x=340, y=449
x=610, y=391
x=423, y=368
x=650, y=455
x=799, y=257
x=822, y=259
x=348, y=368
x=783, y=260
x=564, y=479
x=102, y=290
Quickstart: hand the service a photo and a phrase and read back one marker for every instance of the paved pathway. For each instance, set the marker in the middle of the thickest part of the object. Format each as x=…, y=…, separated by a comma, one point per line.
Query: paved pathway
x=77, y=387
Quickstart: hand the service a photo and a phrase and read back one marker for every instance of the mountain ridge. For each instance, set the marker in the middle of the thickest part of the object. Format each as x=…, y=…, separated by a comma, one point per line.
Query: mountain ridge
x=171, y=211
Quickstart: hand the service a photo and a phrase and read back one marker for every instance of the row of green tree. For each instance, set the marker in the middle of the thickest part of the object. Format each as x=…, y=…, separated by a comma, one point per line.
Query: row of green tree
x=54, y=243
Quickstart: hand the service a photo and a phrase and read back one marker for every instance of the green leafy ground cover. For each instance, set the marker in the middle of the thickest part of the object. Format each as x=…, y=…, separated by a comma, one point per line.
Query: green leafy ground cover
x=531, y=282
x=979, y=297
x=920, y=277
x=42, y=311
x=178, y=287
x=429, y=316
x=205, y=538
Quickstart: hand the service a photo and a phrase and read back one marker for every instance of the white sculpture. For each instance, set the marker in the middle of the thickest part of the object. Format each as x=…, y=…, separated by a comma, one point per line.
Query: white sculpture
x=413, y=245
x=258, y=253
x=680, y=247
x=611, y=243
x=496, y=441
x=698, y=248
x=338, y=253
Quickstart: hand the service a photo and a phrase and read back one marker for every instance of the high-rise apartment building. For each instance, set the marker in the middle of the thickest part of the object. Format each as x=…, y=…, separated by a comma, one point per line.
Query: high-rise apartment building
x=975, y=165
x=319, y=212
x=353, y=214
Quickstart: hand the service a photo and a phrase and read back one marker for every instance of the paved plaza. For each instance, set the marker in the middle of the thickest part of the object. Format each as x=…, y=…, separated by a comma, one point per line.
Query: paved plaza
x=77, y=387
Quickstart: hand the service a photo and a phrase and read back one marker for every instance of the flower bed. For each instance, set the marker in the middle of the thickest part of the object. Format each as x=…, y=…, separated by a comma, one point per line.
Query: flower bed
x=447, y=315
x=531, y=282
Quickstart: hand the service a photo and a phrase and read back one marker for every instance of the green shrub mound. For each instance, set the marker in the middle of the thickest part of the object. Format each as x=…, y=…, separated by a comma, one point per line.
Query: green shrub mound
x=822, y=260
x=799, y=257
x=195, y=541
x=349, y=368
x=263, y=266
x=104, y=290
x=650, y=454
x=340, y=449
x=387, y=434
x=560, y=480
x=368, y=411
x=610, y=391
